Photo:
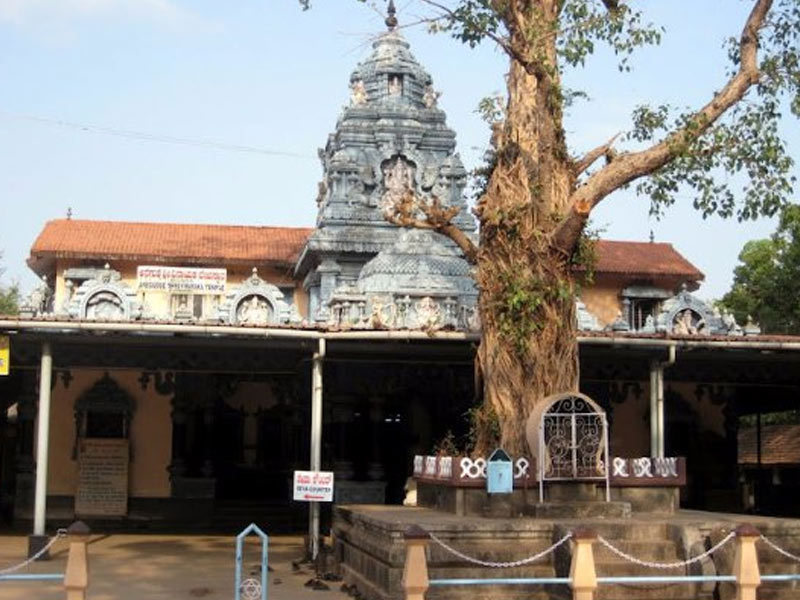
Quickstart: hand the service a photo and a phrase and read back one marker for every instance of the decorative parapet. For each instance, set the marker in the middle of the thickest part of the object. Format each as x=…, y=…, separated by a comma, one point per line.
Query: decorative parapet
x=363, y=311
x=463, y=471
x=256, y=302
x=586, y=320
x=686, y=314
x=104, y=297
x=39, y=301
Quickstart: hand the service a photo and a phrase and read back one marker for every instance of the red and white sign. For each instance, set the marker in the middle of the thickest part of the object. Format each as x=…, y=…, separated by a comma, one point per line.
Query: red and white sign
x=313, y=486
x=181, y=280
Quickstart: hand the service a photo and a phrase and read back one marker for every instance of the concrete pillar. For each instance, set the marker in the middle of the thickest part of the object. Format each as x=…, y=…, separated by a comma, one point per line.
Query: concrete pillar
x=415, y=571
x=76, y=575
x=582, y=574
x=316, y=443
x=745, y=563
x=42, y=440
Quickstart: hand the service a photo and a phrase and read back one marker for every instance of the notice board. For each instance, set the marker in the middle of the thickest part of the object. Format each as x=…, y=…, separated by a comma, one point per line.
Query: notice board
x=102, y=477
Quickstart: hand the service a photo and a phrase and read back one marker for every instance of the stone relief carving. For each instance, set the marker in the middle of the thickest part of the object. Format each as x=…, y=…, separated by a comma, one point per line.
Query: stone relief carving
x=398, y=176
x=256, y=302
x=429, y=314
x=105, y=297
x=39, y=301
x=430, y=97
x=688, y=322
x=254, y=310
x=358, y=93
x=395, y=85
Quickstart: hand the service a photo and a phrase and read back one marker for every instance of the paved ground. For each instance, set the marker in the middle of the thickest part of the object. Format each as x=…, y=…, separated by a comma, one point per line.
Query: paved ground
x=141, y=567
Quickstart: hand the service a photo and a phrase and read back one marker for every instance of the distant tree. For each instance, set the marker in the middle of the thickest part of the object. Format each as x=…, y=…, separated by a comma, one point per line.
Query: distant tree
x=766, y=284
x=538, y=191
x=9, y=297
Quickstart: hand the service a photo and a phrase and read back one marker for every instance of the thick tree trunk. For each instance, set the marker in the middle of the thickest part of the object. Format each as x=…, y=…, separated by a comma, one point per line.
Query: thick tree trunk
x=528, y=348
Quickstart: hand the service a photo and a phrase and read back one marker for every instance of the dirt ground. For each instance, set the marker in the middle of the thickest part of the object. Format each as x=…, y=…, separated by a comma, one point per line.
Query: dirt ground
x=140, y=567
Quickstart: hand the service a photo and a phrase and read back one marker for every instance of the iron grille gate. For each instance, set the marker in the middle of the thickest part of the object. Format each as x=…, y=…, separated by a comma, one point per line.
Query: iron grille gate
x=573, y=443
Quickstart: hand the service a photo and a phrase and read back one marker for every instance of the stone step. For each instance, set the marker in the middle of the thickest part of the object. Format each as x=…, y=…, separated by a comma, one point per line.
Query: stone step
x=620, y=569
x=774, y=593
x=615, y=530
x=653, y=551
x=647, y=592
x=773, y=568
x=581, y=509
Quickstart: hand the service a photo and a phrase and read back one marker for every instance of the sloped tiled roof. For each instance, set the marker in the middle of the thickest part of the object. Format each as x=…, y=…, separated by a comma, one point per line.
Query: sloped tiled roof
x=643, y=259
x=166, y=242
x=780, y=445
x=232, y=244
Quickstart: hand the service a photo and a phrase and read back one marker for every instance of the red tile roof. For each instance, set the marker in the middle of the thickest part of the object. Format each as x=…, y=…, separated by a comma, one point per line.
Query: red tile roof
x=166, y=242
x=644, y=259
x=780, y=445
x=237, y=244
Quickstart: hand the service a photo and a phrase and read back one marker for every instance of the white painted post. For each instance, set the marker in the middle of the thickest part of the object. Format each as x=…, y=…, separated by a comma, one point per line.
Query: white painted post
x=653, y=408
x=316, y=443
x=745, y=562
x=582, y=574
x=43, y=439
x=660, y=410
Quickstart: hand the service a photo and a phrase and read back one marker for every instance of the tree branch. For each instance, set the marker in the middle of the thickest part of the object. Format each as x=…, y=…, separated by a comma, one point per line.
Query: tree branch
x=587, y=160
x=634, y=165
x=531, y=67
x=403, y=211
x=611, y=5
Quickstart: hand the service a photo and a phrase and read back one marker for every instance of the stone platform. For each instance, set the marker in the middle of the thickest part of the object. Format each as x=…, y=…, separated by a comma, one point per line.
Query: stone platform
x=370, y=549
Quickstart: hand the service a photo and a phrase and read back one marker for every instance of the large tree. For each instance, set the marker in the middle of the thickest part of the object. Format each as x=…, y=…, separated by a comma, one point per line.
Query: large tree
x=766, y=283
x=538, y=194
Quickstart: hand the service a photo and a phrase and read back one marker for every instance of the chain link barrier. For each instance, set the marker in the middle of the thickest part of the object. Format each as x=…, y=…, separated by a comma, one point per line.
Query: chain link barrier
x=61, y=533
x=670, y=565
x=501, y=565
x=779, y=550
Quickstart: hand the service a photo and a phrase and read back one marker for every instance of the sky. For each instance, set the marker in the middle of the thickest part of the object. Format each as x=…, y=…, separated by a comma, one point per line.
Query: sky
x=212, y=112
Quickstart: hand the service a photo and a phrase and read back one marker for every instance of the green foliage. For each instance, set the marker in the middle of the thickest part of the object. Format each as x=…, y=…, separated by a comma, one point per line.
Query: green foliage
x=584, y=23
x=9, y=297
x=789, y=417
x=766, y=283
x=9, y=300
x=519, y=303
x=584, y=258
x=740, y=166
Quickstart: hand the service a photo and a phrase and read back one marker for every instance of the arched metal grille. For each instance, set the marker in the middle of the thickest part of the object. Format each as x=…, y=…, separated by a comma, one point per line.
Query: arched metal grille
x=573, y=443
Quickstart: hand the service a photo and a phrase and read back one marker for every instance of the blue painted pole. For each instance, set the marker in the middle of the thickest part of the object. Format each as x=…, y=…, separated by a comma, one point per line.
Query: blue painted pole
x=33, y=577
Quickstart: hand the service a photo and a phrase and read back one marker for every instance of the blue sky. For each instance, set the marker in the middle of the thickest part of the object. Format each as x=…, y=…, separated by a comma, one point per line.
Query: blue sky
x=265, y=75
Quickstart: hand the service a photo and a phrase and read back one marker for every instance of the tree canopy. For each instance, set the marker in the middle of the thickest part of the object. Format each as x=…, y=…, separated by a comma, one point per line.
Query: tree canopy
x=766, y=284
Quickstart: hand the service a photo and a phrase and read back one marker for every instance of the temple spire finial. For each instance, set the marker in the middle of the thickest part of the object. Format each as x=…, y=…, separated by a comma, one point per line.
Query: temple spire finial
x=391, y=19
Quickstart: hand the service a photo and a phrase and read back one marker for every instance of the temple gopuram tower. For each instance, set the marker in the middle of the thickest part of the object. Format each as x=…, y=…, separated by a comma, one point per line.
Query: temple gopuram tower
x=392, y=137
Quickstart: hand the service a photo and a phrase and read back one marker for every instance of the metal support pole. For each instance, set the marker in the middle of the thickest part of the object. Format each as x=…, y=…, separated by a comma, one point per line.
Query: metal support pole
x=660, y=410
x=316, y=443
x=43, y=440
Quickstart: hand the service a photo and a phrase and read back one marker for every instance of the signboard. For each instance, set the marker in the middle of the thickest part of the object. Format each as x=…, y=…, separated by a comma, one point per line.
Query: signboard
x=181, y=280
x=313, y=486
x=102, y=477
x=5, y=355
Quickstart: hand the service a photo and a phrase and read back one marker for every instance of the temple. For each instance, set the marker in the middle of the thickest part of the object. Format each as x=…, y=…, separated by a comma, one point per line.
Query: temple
x=192, y=368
